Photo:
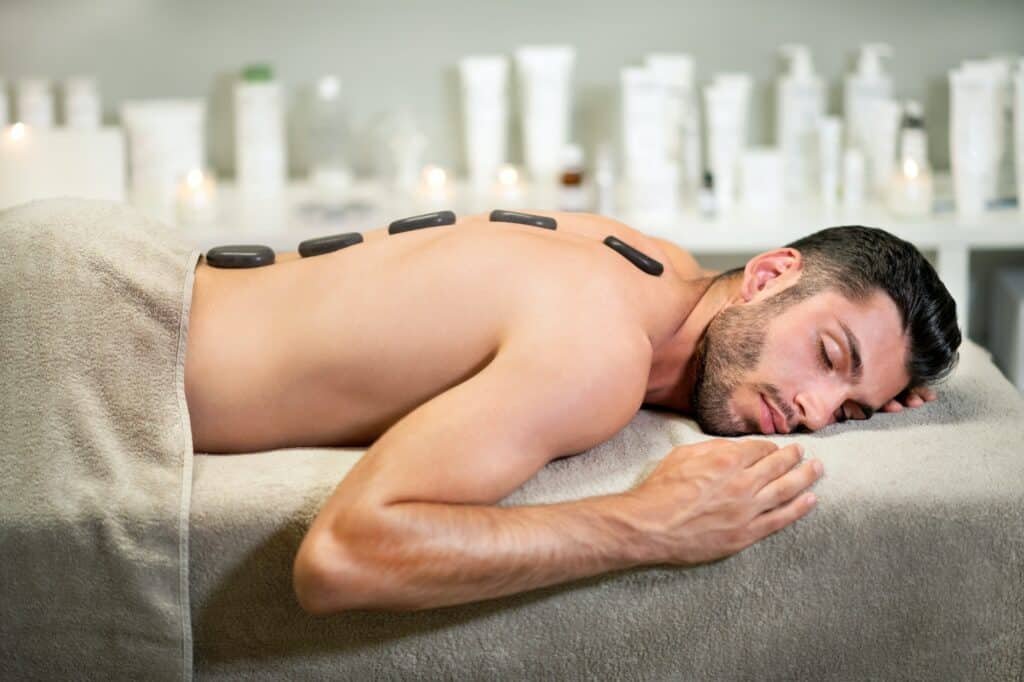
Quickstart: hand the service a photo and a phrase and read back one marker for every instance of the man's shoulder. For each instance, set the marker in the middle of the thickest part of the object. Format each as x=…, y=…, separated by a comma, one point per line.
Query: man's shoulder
x=595, y=380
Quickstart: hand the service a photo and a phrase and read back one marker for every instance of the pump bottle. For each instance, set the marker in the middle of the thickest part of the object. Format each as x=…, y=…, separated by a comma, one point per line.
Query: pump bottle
x=865, y=88
x=800, y=104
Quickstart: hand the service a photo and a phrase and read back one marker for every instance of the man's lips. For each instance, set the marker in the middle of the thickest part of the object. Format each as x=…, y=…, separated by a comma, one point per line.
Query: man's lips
x=767, y=418
x=772, y=420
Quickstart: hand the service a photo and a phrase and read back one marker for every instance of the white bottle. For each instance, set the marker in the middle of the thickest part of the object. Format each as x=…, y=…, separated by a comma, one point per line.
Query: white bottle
x=706, y=205
x=4, y=104
x=604, y=182
x=35, y=102
x=865, y=88
x=682, y=112
x=484, y=116
x=81, y=104
x=829, y=145
x=800, y=103
x=853, y=179
x=545, y=89
x=328, y=139
x=259, y=133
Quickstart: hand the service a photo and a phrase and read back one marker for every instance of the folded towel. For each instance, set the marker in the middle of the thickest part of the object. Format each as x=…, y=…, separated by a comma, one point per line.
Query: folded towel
x=95, y=444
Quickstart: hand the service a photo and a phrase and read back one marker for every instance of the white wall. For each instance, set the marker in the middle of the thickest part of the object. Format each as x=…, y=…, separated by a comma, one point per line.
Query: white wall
x=395, y=54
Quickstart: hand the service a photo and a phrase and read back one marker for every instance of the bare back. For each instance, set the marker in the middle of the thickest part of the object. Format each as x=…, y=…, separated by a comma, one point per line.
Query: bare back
x=333, y=350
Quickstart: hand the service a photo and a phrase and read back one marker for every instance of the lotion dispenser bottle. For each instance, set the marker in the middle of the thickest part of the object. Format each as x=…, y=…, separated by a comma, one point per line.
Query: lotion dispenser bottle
x=865, y=88
x=800, y=104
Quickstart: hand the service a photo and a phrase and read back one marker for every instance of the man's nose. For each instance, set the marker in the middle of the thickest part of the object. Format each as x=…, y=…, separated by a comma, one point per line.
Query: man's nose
x=818, y=405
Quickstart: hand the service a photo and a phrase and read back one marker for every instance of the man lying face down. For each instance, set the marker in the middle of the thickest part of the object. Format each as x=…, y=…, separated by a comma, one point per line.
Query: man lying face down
x=860, y=323
x=466, y=357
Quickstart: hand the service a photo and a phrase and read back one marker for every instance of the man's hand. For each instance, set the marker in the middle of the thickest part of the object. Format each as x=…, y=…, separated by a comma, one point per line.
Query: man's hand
x=709, y=500
x=912, y=397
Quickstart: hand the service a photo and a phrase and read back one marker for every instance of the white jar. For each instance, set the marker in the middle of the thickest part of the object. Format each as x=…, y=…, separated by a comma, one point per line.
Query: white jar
x=165, y=142
x=81, y=103
x=35, y=102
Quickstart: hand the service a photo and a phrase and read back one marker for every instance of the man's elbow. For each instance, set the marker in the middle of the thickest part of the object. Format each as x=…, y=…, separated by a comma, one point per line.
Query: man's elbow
x=327, y=581
x=315, y=580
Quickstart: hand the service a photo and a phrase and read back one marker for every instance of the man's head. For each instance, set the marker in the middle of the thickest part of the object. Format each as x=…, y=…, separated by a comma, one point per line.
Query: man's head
x=832, y=326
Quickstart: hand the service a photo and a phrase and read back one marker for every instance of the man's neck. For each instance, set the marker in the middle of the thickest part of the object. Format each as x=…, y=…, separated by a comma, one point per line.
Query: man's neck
x=674, y=364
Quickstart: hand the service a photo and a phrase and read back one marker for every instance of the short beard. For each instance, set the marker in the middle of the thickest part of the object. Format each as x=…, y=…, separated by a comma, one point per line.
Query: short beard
x=730, y=348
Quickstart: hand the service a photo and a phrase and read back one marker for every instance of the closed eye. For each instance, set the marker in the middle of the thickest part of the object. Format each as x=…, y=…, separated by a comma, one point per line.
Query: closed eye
x=826, y=362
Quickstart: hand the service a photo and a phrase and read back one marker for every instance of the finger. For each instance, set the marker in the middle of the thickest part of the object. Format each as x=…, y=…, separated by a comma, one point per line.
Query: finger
x=752, y=450
x=914, y=400
x=771, y=521
x=769, y=468
x=927, y=393
x=786, y=487
x=892, y=406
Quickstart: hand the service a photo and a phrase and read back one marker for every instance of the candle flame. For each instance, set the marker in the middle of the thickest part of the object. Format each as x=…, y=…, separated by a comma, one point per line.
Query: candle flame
x=194, y=179
x=17, y=131
x=435, y=177
x=508, y=176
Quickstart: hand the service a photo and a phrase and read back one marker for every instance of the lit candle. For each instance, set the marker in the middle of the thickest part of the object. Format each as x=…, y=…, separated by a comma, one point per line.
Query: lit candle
x=16, y=132
x=910, y=191
x=434, y=184
x=509, y=186
x=197, y=198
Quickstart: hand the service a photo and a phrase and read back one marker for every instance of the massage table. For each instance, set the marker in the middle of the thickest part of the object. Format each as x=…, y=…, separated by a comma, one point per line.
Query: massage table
x=910, y=567
x=123, y=555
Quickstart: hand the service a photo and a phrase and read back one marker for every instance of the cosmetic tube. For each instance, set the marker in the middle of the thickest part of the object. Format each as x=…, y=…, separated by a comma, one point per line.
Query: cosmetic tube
x=676, y=73
x=972, y=138
x=763, y=178
x=998, y=70
x=645, y=139
x=726, y=100
x=484, y=117
x=545, y=76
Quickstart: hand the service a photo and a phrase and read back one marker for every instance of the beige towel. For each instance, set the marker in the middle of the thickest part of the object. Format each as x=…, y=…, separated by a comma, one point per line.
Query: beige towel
x=95, y=444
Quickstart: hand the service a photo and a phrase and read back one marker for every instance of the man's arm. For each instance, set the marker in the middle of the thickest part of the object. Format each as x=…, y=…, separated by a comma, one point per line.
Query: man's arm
x=410, y=528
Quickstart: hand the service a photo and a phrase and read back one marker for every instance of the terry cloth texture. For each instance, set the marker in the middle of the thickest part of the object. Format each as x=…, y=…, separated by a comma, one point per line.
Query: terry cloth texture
x=910, y=568
x=95, y=444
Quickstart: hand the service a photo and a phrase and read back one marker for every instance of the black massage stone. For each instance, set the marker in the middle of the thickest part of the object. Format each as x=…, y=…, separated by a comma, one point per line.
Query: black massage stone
x=321, y=245
x=637, y=258
x=499, y=216
x=418, y=222
x=240, y=256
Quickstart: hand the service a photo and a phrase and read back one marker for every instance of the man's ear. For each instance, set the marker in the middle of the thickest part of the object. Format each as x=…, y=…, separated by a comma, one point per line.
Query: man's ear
x=770, y=270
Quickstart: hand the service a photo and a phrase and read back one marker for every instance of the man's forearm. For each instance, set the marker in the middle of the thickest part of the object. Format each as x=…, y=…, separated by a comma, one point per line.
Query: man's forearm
x=418, y=555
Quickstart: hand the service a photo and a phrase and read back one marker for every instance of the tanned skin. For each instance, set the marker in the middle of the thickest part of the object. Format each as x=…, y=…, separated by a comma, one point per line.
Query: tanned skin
x=467, y=357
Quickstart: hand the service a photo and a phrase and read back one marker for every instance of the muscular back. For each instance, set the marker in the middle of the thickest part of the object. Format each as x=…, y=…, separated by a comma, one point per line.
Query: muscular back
x=335, y=349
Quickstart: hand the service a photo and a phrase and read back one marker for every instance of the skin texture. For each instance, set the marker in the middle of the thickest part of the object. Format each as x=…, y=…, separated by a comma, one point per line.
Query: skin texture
x=467, y=357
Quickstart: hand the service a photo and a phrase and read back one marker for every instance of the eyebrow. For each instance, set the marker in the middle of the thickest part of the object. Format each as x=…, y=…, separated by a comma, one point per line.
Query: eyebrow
x=856, y=366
